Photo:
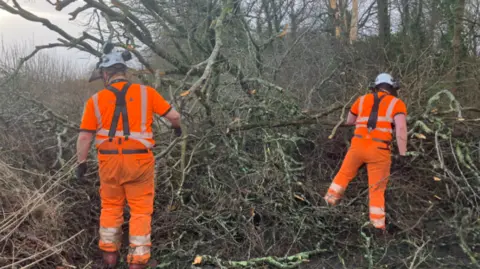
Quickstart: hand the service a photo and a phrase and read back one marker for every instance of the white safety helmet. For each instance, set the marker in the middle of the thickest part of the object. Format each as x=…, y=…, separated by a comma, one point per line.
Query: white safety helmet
x=109, y=58
x=384, y=78
x=112, y=58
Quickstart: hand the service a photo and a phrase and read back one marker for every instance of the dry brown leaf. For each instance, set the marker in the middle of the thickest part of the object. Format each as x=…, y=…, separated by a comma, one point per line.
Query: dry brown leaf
x=252, y=211
x=436, y=179
x=171, y=208
x=299, y=197
x=420, y=136
x=460, y=119
x=284, y=32
x=436, y=196
x=185, y=93
x=197, y=260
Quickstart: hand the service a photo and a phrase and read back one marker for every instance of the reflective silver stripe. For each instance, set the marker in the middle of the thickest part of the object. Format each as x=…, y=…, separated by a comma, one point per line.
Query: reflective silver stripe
x=379, y=119
x=140, y=251
x=146, y=143
x=378, y=223
x=391, y=106
x=337, y=188
x=97, y=110
x=140, y=240
x=377, y=210
x=99, y=141
x=386, y=130
x=330, y=198
x=133, y=135
x=137, y=135
x=143, y=91
x=360, y=105
x=110, y=235
x=361, y=119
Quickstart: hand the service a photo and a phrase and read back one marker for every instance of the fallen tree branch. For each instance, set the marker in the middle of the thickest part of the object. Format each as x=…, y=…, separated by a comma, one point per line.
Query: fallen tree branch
x=53, y=249
x=62, y=120
x=264, y=82
x=292, y=261
x=18, y=10
x=342, y=119
x=227, y=9
x=296, y=122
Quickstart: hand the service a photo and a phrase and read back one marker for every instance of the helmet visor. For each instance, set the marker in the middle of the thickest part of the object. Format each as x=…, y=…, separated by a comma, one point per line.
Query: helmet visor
x=96, y=74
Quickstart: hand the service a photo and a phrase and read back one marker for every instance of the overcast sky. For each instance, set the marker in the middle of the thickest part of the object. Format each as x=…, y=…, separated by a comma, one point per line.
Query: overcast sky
x=16, y=30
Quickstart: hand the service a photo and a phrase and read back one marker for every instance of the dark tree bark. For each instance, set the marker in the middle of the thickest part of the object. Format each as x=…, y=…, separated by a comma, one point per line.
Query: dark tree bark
x=383, y=25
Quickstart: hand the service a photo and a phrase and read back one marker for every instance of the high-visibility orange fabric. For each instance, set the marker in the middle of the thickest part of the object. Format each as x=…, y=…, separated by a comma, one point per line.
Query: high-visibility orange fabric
x=125, y=178
x=142, y=102
x=363, y=151
x=369, y=147
x=389, y=107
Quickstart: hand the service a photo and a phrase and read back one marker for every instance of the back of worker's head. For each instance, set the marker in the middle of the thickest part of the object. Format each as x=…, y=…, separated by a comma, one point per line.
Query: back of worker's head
x=111, y=63
x=385, y=82
x=116, y=69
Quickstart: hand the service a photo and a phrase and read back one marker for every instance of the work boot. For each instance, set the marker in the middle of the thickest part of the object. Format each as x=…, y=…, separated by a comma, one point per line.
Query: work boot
x=110, y=259
x=151, y=264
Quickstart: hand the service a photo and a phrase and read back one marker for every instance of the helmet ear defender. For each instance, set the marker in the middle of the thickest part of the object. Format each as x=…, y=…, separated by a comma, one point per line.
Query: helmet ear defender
x=126, y=55
x=396, y=85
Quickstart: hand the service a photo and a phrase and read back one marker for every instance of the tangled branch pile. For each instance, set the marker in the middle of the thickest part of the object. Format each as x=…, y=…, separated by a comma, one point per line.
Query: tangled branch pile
x=263, y=140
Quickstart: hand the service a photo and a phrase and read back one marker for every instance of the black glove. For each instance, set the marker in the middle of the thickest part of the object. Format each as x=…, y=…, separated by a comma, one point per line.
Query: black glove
x=401, y=160
x=178, y=131
x=81, y=170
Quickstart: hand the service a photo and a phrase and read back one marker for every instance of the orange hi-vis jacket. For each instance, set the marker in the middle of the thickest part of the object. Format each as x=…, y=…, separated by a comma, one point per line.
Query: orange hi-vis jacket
x=141, y=100
x=389, y=106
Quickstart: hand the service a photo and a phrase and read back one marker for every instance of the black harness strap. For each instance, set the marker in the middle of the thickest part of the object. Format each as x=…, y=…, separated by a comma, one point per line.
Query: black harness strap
x=120, y=109
x=373, y=118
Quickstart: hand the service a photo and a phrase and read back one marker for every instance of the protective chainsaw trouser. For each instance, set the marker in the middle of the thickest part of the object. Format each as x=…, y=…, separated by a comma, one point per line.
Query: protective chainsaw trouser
x=126, y=177
x=376, y=155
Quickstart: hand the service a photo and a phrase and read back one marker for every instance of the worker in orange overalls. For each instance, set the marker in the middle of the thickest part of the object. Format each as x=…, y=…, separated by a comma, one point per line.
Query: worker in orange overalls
x=120, y=116
x=374, y=116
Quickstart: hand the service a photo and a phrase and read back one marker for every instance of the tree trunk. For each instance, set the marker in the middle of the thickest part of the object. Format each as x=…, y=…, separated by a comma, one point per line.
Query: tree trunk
x=384, y=26
x=433, y=24
x=417, y=29
x=336, y=17
x=457, y=37
x=406, y=17
x=354, y=22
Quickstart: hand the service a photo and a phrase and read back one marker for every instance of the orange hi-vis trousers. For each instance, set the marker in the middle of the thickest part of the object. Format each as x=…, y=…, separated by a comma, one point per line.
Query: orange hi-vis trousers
x=126, y=176
x=376, y=156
